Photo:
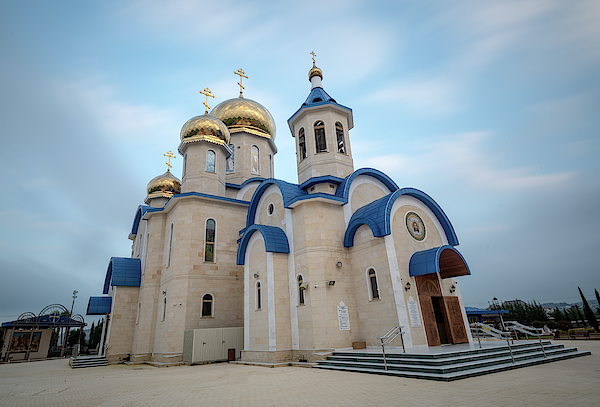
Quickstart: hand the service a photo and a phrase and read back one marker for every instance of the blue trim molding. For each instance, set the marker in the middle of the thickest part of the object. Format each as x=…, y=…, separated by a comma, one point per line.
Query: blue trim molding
x=377, y=215
x=275, y=240
x=428, y=262
x=344, y=188
x=243, y=184
x=124, y=272
x=139, y=214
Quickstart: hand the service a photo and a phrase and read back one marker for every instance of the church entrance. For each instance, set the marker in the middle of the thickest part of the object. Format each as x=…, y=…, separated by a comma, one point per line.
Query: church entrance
x=441, y=315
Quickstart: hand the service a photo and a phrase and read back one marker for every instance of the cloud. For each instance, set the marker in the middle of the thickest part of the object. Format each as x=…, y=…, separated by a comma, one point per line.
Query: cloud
x=465, y=157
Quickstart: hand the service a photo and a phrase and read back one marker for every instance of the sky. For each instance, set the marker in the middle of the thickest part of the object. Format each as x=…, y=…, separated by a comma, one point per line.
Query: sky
x=491, y=108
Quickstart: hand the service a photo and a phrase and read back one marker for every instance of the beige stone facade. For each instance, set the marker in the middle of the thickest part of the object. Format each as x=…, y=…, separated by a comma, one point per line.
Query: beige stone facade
x=286, y=261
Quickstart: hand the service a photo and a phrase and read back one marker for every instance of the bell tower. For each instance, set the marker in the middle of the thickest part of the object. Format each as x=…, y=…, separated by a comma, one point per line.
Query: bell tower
x=320, y=128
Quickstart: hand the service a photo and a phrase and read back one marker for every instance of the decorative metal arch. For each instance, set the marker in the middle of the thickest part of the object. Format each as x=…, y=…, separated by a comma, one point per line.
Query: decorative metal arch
x=54, y=309
x=78, y=318
x=27, y=316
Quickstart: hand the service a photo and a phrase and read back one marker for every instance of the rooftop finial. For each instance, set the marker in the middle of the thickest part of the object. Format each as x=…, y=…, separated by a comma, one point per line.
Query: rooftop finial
x=208, y=94
x=169, y=155
x=313, y=57
x=242, y=75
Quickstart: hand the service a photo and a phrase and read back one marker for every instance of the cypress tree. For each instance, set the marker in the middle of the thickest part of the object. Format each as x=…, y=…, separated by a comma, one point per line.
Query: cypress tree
x=598, y=299
x=589, y=314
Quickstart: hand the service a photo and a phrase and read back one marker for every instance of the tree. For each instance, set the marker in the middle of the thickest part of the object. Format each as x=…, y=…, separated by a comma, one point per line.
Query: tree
x=558, y=316
x=597, y=299
x=589, y=314
x=579, y=315
x=76, y=336
x=96, y=335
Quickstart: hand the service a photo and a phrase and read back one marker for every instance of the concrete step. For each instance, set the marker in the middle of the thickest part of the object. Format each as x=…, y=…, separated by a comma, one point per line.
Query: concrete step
x=87, y=361
x=473, y=371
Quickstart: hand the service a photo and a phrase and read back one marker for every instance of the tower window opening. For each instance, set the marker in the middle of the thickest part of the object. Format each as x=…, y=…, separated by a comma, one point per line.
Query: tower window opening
x=372, y=281
x=184, y=164
x=320, y=140
x=164, y=313
x=210, y=161
x=207, y=305
x=300, y=290
x=209, y=243
x=255, y=160
x=258, y=296
x=231, y=160
x=339, y=131
x=170, y=247
x=301, y=144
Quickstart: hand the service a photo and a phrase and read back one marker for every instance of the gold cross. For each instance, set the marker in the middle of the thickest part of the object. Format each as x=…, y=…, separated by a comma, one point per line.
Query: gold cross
x=313, y=57
x=208, y=94
x=170, y=155
x=241, y=73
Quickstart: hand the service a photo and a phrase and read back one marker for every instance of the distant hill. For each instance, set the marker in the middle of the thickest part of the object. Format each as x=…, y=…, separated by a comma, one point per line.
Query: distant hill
x=562, y=305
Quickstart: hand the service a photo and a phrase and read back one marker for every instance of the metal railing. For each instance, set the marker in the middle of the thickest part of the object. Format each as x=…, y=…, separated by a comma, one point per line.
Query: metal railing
x=527, y=330
x=388, y=338
x=480, y=329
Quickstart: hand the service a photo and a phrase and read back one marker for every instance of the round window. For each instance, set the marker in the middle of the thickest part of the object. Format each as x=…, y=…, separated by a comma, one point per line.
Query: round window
x=270, y=209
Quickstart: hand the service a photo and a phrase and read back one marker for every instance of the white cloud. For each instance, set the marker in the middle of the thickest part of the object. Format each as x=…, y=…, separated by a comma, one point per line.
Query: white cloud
x=466, y=157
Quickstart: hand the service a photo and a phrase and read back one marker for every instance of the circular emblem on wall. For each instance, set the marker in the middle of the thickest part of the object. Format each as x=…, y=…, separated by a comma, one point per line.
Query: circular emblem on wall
x=415, y=226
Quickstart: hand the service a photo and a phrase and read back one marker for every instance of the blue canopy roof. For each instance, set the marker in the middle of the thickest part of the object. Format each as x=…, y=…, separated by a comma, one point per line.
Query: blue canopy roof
x=123, y=271
x=45, y=321
x=275, y=240
x=99, y=305
x=445, y=260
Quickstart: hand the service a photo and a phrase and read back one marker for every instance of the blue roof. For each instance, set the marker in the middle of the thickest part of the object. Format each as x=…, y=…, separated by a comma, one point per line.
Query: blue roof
x=139, y=214
x=288, y=190
x=99, y=305
x=243, y=184
x=318, y=97
x=124, y=272
x=377, y=215
x=344, y=188
x=330, y=179
x=479, y=311
x=452, y=263
x=275, y=240
x=45, y=321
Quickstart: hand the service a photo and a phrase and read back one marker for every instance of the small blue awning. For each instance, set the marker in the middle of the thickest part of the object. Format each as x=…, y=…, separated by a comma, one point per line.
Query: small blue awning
x=445, y=260
x=99, y=305
x=275, y=240
x=123, y=271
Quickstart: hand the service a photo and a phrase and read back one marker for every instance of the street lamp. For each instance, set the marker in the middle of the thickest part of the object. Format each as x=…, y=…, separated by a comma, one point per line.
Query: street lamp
x=73, y=304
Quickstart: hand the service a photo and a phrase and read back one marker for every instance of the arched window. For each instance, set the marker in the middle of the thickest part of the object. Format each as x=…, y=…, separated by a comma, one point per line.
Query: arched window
x=339, y=131
x=184, y=164
x=145, y=255
x=164, y=313
x=230, y=159
x=210, y=160
x=258, y=304
x=255, y=160
x=320, y=140
x=372, y=282
x=300, y=290
x=270, y=166
x=170, y=247
x=137, y=318
x=207, y=305
x=209, y=242
x=301, y=144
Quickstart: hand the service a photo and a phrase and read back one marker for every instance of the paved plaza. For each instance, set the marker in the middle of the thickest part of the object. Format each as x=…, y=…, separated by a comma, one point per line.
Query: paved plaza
x=54, y=383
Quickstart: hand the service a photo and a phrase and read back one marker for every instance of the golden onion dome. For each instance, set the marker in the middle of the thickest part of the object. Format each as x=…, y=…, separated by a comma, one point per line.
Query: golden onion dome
x=205, y=127
x=241, y=114
x=315, y=72
x=163, y=186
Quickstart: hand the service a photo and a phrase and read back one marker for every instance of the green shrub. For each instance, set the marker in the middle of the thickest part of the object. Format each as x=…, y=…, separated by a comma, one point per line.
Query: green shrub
x=551, y=324
x=537, y=324
x=564, y=325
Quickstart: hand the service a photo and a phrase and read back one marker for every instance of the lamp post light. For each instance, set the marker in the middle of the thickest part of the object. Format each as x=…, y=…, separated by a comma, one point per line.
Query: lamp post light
x=497, y=305
x=73, y=304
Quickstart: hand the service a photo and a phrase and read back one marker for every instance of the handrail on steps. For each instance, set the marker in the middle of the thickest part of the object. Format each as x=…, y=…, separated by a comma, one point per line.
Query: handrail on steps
x=388, y=338
x=481, y=328
x=527, y=330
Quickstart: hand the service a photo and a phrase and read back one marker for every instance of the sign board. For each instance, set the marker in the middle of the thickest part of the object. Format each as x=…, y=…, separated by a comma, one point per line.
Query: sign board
x=413, y=313
x=343, y=317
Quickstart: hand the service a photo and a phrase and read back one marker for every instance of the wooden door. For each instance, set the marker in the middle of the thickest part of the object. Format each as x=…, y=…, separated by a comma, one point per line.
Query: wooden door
x=428, y=286
x=455, y=320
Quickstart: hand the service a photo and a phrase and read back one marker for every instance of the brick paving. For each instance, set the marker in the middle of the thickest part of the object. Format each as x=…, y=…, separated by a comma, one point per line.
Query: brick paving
x=54, y=383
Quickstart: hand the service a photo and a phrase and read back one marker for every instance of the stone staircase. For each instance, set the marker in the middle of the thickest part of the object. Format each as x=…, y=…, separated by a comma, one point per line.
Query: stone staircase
x=87, y=361
x=451, y=365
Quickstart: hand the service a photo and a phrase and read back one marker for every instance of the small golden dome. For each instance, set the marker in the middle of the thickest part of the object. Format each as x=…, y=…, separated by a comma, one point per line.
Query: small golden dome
x=241, y=114
x=315, y=72
x=205, y=128
x=163, y=186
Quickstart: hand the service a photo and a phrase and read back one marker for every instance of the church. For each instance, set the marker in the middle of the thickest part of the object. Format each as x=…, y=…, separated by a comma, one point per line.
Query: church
x=336, y=259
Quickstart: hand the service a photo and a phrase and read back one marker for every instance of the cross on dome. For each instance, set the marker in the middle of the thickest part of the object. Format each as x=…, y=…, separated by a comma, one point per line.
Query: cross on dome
x=170, y=155
x=208, y=94
x=242, y=75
